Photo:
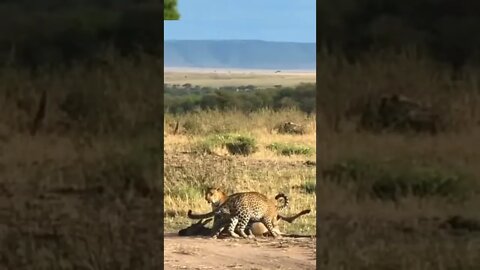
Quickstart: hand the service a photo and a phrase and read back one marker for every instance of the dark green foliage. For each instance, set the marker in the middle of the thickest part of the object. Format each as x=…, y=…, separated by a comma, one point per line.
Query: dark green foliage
x=139, y=29
x=170, y=10
x=394, y=180
x=181, y=100
x=445, y=29
x=63, y=32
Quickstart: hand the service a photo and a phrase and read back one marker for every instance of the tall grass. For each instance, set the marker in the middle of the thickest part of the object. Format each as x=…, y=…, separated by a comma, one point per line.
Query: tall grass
x=400, y=189
x=214, y=121
x=121, y=97
x=202, y=150
x=453, y=94
x=93, y=166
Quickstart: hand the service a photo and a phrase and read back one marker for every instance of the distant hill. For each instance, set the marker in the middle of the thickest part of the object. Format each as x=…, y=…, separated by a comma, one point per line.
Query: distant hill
x=252, y=54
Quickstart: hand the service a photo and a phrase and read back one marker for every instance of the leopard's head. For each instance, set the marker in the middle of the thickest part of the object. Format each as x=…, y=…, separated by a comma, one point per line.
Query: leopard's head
x=215, y=196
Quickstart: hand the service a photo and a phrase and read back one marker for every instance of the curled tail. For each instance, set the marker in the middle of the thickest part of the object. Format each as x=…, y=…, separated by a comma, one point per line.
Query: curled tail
x=285, y=200
x=200, y=216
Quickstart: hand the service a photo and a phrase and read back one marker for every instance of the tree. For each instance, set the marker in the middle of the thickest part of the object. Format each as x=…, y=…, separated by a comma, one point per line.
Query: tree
x=170, y=10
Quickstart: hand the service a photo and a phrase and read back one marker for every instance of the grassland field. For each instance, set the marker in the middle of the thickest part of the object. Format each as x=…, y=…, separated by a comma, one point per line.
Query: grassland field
x=392, y=200
x=188, y=172
x=237, y=77
x=84, y=191
x=196, y=156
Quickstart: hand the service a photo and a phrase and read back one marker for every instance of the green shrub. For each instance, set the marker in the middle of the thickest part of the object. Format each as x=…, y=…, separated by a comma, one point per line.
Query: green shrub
x=290, y=149
x=235, y=144
x=242, y=145
x=393, y=180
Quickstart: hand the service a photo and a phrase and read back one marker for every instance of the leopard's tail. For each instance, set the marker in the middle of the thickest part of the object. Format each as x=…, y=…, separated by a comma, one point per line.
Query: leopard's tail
x=200, y=216
x=292, y=218
x=285, y=201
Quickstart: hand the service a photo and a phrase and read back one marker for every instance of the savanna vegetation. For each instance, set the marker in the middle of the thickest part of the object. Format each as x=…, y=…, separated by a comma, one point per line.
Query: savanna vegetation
x=232, y=137
x=80, y=135
x=188, y=98
x=81, y=142
x=398, y=198
x=239, y=151
x=208, y=129
x=81, y=166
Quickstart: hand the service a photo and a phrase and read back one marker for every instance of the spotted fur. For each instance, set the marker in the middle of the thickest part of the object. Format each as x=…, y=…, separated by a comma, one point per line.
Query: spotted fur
x=216, y=197
x=241, y=208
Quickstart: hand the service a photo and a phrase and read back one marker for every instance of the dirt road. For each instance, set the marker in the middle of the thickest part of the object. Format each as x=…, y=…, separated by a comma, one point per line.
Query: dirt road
x=261, y=253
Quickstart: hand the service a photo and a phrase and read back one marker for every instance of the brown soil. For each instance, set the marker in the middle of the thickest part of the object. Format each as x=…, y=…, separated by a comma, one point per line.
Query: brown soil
x=228, y=253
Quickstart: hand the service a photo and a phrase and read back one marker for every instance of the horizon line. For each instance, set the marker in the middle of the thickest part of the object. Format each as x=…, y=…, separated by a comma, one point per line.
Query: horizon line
x=261, y=40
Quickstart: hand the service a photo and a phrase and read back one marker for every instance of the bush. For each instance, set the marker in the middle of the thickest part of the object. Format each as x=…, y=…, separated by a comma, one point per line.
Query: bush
x=290, y=149
x=242, y=146
x=182, y=100
x=235, y=144
x=394, y=180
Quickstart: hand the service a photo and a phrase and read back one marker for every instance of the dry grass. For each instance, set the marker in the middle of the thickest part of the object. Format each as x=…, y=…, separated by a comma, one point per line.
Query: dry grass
x=218, y=78
x=83, y=193
x=412, y=232
x=375, y=234
x=187, y=174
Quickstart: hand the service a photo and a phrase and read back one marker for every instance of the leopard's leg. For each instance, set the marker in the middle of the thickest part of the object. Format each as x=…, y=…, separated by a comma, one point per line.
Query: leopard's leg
x=242, y=224
x=232, y=225
x=249, y=231
x=268, y=223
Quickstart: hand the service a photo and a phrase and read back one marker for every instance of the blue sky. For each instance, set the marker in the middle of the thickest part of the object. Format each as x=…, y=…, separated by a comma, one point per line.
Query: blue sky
x=270, y=20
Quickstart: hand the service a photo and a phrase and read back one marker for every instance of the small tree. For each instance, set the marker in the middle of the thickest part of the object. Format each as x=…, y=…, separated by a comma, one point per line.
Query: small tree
x=170, y=10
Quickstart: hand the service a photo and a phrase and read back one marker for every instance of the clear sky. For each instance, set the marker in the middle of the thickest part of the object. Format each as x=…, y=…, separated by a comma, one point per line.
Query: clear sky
x=270, y=20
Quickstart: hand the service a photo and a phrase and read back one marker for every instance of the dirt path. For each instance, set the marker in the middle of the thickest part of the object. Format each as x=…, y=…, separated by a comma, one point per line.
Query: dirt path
x=205, y=253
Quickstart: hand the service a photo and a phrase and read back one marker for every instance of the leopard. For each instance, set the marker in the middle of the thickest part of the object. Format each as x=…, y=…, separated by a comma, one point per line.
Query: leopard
x=216, y=196
x=241, y=208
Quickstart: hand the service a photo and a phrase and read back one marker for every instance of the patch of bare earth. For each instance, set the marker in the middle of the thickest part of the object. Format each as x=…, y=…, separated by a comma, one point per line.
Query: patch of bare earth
x=229, y=253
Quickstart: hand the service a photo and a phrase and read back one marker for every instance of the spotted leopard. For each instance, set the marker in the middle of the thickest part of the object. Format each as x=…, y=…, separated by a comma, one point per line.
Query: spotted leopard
x=216, y=197
x=241, y=208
